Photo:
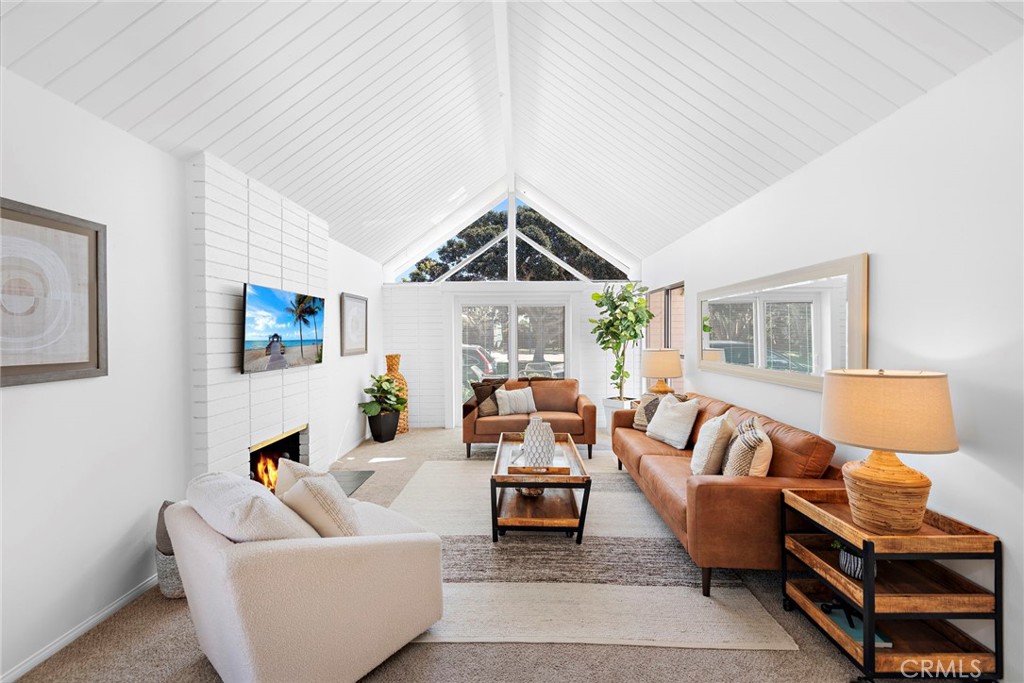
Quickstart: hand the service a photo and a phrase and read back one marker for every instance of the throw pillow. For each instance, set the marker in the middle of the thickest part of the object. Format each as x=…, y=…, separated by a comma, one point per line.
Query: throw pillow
x=515, y=402
x=244, y=510
x=486, y=405
x=289, y=472
x=673, y=421
x=648, y=406
x=749, y=452
x=322, y=503
x=712, y=443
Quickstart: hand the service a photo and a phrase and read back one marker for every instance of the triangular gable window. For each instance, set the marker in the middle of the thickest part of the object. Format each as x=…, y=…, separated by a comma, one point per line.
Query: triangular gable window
x=544, y=252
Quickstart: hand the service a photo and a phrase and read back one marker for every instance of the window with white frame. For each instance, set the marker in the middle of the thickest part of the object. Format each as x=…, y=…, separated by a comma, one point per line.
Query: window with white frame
x=542, y=252
x=515, y=339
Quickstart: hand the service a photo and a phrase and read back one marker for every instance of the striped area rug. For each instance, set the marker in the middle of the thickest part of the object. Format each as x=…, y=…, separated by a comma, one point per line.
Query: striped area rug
x=629, y=583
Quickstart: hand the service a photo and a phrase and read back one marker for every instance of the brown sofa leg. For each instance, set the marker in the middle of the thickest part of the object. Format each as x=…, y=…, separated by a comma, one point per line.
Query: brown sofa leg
x=469, y=449
x=705, y=581
x=590, y=451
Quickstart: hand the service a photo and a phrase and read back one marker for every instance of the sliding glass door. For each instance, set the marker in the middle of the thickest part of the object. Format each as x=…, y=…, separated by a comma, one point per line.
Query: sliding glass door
x=488, y=338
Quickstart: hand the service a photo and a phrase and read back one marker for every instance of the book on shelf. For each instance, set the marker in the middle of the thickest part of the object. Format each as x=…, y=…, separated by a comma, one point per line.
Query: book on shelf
x=852, y=624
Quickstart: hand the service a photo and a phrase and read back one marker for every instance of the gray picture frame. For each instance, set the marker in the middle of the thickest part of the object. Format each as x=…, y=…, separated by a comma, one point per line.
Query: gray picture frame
x=96, y=233
x=354, y=324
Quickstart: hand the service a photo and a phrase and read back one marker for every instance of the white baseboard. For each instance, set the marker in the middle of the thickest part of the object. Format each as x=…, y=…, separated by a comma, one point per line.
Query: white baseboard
x=45, y=653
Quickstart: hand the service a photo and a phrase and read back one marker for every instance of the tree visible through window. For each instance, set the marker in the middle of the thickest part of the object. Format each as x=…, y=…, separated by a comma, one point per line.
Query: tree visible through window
x=530, y=263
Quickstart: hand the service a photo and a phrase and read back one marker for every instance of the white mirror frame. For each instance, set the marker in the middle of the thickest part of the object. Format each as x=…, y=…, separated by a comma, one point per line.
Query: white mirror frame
x=855, y=268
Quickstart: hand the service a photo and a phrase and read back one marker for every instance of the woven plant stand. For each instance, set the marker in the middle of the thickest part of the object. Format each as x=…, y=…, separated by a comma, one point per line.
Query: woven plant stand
x=167, y=576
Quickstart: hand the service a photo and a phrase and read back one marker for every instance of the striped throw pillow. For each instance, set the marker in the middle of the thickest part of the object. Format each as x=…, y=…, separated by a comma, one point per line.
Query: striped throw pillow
x=750, y=451
x=515, y=402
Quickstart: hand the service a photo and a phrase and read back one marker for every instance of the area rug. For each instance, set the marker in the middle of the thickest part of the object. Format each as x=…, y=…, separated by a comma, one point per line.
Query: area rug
x=629, y=583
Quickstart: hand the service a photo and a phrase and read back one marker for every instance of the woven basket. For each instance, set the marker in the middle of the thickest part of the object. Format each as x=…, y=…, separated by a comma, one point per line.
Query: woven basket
x=167, y=576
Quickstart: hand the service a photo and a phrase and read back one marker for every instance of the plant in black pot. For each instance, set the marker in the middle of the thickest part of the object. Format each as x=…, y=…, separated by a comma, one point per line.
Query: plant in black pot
x=383, y=408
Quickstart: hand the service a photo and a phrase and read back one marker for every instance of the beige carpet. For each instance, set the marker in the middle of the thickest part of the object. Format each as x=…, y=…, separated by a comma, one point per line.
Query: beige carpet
x=152, y=640
x=527, y=588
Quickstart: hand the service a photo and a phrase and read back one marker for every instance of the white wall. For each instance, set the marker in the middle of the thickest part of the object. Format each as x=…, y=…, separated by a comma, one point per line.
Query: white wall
x=86, y=463
x=421, y=321
x=934, y=194
x=243, y=232
x=350, y=272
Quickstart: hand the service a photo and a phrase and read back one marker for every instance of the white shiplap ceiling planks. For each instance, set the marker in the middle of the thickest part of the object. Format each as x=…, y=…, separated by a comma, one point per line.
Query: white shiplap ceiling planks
x=641, y=120
x=647, y=119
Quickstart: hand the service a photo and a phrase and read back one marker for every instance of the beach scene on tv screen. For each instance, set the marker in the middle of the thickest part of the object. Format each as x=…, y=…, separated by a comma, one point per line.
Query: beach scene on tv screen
x=282, y=329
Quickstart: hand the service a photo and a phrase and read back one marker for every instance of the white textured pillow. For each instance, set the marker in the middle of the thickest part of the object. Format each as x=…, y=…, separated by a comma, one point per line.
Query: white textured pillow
x=515, y=402
x=749, y=452
x=244, y=510
x=323, y=504
x=712, y=443
x=673, y=421
x=289, y=472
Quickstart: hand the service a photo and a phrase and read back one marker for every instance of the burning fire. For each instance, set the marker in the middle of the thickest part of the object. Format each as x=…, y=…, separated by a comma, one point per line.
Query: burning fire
x=266, y=472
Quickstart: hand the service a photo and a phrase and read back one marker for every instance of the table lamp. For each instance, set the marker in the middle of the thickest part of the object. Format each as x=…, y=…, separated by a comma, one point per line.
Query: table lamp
x=661, y=364
x=888, y=411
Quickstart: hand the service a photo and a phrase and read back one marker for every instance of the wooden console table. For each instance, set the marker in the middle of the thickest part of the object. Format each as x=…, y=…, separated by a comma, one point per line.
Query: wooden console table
x=905, y=593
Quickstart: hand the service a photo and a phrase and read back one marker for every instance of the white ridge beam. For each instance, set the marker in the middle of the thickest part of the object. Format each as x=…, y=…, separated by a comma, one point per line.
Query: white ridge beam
x=503, y=60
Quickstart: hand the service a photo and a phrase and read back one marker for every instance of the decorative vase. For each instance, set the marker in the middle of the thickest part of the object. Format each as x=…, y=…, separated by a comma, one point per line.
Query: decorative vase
x=852, y=565
x=392, y=360
x=538, y=443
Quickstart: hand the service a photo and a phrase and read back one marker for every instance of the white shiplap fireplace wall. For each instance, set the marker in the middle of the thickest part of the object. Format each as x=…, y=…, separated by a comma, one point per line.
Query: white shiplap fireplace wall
x=241, y=231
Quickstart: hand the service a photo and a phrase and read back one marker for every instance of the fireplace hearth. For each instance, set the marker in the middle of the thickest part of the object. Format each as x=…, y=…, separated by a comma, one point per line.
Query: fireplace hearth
x=264, y=457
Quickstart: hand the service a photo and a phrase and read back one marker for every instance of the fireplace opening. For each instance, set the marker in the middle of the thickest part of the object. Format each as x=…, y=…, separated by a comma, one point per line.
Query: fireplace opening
x=264, y=457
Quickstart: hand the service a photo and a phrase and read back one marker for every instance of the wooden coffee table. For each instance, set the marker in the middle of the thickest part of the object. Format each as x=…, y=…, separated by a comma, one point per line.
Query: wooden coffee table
x=564, y=490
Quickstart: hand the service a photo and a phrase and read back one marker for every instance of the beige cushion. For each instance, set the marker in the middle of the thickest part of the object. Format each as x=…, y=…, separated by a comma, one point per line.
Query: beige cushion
x=322, y=503
x=515, y=402
x=673, y=421
x=647, y=408
x=244, y=510
x=289, y=472
x=712, y=443
x=749, y=452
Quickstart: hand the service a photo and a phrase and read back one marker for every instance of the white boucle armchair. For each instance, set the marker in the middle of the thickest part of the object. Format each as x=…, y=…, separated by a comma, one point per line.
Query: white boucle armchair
x=310, y=609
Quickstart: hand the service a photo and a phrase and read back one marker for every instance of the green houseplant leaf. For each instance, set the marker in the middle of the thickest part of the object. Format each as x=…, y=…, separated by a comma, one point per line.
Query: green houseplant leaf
x=384, y=397
x=624, y=319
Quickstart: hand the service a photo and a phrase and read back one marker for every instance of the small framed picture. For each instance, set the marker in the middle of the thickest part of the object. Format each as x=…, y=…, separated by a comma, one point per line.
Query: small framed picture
x=53, y=296
x=353, y=325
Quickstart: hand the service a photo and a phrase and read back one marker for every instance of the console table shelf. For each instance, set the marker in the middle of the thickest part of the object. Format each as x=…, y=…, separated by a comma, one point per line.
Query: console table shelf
x=905, y=593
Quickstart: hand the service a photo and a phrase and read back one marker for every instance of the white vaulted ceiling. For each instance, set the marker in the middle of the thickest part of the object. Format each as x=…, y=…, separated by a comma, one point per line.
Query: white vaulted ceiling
x=639, y=120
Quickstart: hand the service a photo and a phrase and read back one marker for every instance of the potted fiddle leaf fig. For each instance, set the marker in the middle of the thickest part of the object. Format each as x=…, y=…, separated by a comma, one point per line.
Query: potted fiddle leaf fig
x=624, y=318
x=383, y=408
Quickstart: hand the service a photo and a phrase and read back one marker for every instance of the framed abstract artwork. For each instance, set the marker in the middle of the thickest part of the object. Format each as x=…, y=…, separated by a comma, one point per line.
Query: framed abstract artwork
x=353, y=325
x=53, y=296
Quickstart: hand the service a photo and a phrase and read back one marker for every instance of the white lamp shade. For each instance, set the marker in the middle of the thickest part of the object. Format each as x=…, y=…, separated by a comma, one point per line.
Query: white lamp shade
x=661, y=363
x=889, y=410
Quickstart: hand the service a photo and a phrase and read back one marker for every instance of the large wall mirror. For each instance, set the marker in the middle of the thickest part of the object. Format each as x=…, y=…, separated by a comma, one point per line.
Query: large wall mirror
x=791, y=327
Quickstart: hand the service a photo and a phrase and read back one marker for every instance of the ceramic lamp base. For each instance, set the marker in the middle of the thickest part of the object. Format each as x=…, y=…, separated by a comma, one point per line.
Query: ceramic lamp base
x=886, y=496
x=660, y=388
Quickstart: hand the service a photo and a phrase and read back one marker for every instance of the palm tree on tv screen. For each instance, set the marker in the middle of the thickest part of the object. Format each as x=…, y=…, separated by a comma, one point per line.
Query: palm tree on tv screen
x=313, y=307
x=298, y=310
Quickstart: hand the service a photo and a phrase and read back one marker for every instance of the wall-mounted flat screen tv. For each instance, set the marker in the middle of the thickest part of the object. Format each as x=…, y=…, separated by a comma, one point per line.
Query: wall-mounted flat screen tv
x=282, y=329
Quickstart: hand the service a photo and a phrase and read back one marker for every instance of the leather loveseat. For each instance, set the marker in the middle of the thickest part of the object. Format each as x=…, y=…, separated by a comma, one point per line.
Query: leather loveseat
x=558, y=401
x=729, y=522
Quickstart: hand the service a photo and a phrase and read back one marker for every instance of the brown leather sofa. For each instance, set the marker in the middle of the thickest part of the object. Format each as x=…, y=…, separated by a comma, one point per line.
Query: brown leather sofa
x=729, y=522
x=558, y=402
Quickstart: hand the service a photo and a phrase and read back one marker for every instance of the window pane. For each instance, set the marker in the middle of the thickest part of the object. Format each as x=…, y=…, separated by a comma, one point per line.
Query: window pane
x=789, y=340
x=458, y=248
x=533, y=265
x=485, y=339
x=541, y=341
x=656, y=328
x=732, y=330
x=677, y=318
x=531, y=223
x=489, y=266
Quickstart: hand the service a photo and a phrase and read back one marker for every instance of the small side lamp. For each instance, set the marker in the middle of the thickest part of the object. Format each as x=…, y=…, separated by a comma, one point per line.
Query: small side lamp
x=661, y=364
x=888, y=411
